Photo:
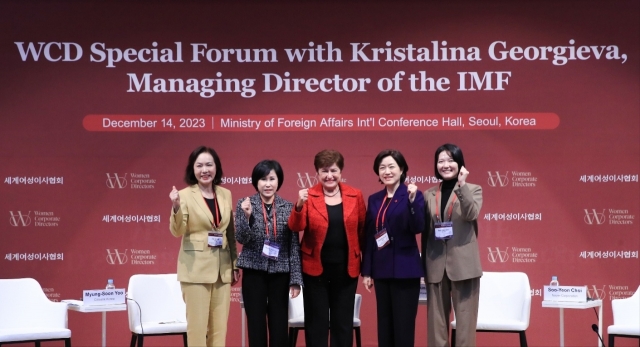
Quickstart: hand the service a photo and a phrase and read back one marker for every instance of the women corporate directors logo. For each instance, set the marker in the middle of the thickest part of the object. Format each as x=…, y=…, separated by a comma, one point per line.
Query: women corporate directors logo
x=518, y=179
x=39, y=219
x=610, y=216
x=135, y=181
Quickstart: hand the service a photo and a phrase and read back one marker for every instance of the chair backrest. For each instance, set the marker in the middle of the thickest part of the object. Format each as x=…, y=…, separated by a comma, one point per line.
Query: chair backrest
x=23, y=303
x=159, y=297
x=356, y=306
x=296, y=306
x=627, y=311
x=505, y=295
x=356, y=310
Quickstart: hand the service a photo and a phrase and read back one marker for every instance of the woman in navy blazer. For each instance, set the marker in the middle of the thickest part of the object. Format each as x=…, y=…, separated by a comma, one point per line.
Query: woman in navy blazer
x=395, y=215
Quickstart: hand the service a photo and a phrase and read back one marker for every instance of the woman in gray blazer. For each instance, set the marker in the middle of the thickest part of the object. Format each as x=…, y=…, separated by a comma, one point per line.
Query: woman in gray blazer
x=451, y=251
x=270, y=257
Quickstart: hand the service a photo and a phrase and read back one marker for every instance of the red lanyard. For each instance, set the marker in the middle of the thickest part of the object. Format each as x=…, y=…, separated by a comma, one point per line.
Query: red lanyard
x=383, y=213
x=216, y=221
x=438, y=207
x=266, y=222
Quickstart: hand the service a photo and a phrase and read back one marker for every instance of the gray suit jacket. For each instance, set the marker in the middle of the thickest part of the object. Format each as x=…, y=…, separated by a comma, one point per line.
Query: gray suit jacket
x=252, y=239
x=459, y=255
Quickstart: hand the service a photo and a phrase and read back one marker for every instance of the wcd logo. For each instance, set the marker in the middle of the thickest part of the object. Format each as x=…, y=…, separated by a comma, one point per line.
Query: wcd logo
x=19, y=219
x=115, y=181
x=594, y=217
x=306, y=180
x=498, y=255
x=596, y=293
x=117, y=257
x=498, y=180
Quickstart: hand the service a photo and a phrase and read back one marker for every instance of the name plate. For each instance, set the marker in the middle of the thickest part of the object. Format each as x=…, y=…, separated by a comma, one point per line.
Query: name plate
x=103, y=297
x=565, y=293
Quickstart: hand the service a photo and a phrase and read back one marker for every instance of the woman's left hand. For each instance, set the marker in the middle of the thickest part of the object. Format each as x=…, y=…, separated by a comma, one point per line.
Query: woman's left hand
x=462, y=176
x=412, y=189
x=236, y=277
x=294, y=290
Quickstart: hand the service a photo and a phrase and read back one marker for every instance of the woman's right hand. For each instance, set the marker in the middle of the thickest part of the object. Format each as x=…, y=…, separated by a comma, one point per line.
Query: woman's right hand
x=368, y=283
x=303, y=195
x=245, y=205
x=175, y=199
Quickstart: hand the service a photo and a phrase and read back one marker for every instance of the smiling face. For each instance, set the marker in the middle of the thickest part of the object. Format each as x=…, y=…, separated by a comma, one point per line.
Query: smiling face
x=267, y=186
x=329, y=177
x=389, y=172
x=204, y=169
x=447, y=167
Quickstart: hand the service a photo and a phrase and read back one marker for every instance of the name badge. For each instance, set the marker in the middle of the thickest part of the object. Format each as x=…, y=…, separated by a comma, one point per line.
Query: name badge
x=444, y=230
x=270, y=250
x=382, y=239
x=215, y=239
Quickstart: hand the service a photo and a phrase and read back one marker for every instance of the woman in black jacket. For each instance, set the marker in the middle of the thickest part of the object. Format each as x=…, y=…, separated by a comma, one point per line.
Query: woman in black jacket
x=270, y=257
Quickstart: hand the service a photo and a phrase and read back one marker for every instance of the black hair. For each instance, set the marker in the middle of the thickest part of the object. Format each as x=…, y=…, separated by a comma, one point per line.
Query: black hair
x=189, y=174
x=263, y=168
x=454, y=151
x=397, y=156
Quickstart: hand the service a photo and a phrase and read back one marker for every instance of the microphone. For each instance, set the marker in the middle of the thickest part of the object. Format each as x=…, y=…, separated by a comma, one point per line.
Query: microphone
x=594, y=327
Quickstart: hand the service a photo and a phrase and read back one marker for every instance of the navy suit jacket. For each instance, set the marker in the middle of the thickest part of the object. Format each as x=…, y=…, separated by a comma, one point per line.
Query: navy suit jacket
x=403, y=221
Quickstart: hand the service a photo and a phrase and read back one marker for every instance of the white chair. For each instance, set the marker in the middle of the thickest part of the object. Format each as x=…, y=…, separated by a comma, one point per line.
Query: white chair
x=626, y=318
x=296, y=318
x=27, y=315
x=155, y=307
x=505, y=305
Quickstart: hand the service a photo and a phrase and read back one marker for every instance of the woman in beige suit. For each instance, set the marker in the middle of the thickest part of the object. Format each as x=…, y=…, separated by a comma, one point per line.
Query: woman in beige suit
x=451, y=251
x=202, y=216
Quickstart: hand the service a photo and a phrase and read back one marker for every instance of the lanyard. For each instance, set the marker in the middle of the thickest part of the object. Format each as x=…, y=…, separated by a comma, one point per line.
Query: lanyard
x=438, y=207
x=266, y=222
x=216, y=221
x=383, y=213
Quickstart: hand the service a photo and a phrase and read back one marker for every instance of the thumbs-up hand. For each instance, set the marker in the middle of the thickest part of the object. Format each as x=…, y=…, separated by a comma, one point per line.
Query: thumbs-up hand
x=246, y=207
x=412, y=189
x=175, y=199
x=462, y=176
x=303, y=195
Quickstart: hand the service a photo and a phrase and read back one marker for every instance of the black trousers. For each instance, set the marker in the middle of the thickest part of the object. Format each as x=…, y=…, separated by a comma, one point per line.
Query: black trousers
x=328, y=302
x=266, y=302
x=397, y=304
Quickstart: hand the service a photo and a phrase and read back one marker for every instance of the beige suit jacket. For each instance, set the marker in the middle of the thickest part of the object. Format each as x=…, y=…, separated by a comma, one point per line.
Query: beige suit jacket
x=197, y=262
x=459, y=255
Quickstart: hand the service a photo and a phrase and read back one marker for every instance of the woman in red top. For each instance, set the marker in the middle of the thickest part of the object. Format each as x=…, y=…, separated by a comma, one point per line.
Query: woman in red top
x=332, y=216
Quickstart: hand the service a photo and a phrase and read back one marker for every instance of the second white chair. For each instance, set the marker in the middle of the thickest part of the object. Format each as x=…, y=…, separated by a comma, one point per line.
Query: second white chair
x=626, y=318
x=505, y=305
x=157, y=307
